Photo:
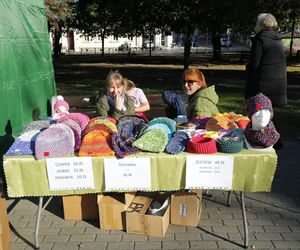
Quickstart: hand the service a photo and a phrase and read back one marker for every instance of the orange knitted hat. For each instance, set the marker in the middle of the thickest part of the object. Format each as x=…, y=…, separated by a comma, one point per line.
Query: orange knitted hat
x=96, y=143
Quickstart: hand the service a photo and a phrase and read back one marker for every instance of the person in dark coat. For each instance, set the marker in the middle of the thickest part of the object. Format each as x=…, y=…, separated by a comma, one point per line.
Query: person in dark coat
x=266, y=69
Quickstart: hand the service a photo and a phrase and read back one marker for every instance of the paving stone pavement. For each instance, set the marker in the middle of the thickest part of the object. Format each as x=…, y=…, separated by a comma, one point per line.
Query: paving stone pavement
x=273, y=219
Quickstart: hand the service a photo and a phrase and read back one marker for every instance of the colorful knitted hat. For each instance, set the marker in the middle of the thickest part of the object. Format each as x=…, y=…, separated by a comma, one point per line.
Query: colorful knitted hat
x=218, y=122
x=24, y=144
x=57, y=140
x=167, y=121
x=80, y=118
x=178, y=142
x=263, y=138
x=129, y=129
x=257, y=103
x=37, y=125
x=96, y=143
x=230, y=144
x=60, y=103
x=101, y=124
x=76, y=131
x=154, y=140
x=201, y=145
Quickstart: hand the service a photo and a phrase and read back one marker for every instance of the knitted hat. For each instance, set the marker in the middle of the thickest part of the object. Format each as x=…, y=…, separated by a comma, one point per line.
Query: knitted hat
x=57, y=140
x=129, y=129
x=154, y=140
x=37, y=125
x=167, y=121
x=80, y=118
x=178, y=142
x=257, y=103
x=163, y=127
x=60, y=103
x=101, y=124
x=24, y=144
x=76, y=131
x=200, y=121
x=243, y=123
x=219, y=122
x=263, y=138
x=230, y=144
x=96, y=143
x=201, y=145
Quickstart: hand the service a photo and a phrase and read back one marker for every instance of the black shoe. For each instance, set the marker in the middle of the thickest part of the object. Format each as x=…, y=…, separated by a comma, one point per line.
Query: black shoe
x=278, y=145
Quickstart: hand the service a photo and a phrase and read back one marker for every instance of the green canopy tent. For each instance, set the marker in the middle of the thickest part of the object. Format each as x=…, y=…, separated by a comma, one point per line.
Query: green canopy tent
x=26, y=70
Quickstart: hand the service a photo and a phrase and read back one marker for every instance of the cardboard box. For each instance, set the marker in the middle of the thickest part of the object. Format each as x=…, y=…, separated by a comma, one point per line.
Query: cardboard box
x=186, y=207
x=111, y=208
x=80, y=207
x=4, y=225
x=139, y=222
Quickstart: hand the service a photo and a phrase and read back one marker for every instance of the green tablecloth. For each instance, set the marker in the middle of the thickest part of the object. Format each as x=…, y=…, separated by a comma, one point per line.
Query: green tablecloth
x=253, y=171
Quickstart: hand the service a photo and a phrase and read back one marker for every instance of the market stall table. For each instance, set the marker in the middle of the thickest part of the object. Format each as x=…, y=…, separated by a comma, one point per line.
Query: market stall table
x=253, y=171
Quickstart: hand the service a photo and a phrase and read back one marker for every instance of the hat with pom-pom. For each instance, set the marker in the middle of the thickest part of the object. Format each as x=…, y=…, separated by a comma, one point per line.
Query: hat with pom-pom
x=178, y=142
x=60, y=103
x=154, y=140
x=257, y=103
x=57, y=140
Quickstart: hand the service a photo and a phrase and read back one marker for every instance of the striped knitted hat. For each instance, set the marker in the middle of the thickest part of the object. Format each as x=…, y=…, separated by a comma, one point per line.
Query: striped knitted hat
x=96, y=143
x=57, y=140
x=154, y=140
x=101, y=124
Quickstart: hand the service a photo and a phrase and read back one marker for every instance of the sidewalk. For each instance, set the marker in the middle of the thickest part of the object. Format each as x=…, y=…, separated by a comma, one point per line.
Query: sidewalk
x=273, y=218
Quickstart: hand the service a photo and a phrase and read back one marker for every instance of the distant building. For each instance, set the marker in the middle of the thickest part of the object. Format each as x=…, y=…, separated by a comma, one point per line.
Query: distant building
x=77, y=42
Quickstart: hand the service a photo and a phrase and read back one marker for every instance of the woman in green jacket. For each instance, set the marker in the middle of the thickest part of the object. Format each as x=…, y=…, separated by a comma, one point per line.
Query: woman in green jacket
x=112, y=101
x=202, y=100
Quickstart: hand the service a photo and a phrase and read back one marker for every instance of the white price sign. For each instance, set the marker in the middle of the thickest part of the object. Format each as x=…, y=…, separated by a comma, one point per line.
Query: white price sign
x=70, y=173
x=127, y=174
x=209, y=172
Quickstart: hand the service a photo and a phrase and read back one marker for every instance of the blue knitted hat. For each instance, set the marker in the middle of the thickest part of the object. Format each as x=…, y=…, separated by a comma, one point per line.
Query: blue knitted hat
x=24, y=144
x=178, y=142
x=154, y=140
x=167, y=121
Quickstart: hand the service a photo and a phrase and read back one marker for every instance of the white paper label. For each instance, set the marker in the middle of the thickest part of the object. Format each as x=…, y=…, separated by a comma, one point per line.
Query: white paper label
x=127, y=174
x=209, y=172
x=70, y=173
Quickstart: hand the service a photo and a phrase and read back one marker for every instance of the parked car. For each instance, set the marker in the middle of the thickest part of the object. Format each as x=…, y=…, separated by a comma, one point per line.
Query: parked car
x=124, y=47
x=225, y=41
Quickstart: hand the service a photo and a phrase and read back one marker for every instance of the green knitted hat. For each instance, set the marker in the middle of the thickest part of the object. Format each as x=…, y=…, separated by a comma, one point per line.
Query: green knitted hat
x=154, y=140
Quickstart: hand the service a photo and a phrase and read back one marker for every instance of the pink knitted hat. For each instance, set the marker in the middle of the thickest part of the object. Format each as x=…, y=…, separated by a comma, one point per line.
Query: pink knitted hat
x=60, y=103
x=80, y=118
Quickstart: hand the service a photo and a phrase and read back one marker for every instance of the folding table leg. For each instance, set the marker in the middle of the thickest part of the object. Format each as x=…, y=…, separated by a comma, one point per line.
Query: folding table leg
x=38, y=219
x=245, y=224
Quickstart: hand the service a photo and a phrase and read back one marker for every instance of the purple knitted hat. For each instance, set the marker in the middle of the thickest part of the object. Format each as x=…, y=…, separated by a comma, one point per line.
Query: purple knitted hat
x=257, y=103
x=76, y=131
x=57, y=140
x=264, y=138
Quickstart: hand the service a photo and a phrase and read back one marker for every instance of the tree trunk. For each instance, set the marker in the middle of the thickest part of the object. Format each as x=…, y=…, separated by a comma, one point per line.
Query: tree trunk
x=57, y=44
x=102, y=42
x=216, y=46
x=187, y=47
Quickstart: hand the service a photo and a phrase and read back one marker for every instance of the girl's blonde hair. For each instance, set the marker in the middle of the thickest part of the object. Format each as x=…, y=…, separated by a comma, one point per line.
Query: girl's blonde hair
x=195, y=74
x=114, y=76
x=128, y=84
x=265, y=21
